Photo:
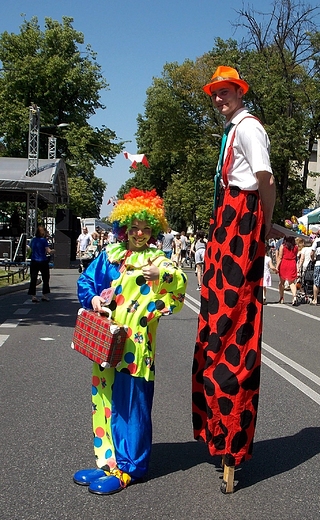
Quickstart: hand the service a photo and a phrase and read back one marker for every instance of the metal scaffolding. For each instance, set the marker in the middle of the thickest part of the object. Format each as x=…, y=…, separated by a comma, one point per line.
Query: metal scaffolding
x=52, y=147
x=33, y=145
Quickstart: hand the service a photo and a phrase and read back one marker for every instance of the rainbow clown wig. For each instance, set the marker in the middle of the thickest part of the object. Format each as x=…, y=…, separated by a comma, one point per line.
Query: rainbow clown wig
x=141, y=205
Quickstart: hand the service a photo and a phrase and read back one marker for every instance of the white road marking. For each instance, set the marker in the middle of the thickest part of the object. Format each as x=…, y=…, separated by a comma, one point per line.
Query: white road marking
x=271, y=364
x=11, y=323
x=22, y=311
x=292, y=379
x=3, y=338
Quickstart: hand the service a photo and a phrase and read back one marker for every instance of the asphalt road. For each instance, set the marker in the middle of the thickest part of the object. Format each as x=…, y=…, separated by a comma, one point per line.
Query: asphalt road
x=45, y=424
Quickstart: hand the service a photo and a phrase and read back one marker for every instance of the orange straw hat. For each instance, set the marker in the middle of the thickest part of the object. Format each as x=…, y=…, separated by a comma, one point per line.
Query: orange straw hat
x=222, y=76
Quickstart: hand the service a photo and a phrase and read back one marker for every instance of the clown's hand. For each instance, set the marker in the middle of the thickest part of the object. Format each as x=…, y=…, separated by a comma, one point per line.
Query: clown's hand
x=98, y=304
x=150, y=272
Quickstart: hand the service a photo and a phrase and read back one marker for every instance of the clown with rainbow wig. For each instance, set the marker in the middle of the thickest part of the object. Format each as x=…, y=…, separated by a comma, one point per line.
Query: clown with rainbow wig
x=145, y=286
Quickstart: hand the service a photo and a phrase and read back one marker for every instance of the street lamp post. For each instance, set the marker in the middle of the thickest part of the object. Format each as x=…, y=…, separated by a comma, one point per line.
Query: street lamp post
x=52, y=143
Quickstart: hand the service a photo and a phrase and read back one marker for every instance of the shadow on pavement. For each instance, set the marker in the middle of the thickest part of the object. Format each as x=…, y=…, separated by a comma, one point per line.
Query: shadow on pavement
x=270, y=457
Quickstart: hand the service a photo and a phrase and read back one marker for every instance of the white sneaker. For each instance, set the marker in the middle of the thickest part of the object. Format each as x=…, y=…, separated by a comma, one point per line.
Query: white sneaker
x=199, y=288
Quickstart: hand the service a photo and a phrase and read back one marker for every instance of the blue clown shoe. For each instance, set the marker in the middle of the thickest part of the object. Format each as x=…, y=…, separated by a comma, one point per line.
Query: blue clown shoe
x=110, y=484
x=84, y=477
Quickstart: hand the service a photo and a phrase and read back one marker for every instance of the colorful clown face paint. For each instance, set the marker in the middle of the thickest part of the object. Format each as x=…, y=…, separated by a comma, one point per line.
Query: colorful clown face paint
x=139, y=235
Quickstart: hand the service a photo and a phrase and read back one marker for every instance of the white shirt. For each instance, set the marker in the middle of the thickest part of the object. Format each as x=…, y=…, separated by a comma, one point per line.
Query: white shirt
x=251, y=148
x=84, y=240
x=314, y=247
x=306, y=251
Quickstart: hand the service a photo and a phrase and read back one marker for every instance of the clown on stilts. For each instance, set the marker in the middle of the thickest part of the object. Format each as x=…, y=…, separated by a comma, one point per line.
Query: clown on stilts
x=227, y=358
x=146, y=287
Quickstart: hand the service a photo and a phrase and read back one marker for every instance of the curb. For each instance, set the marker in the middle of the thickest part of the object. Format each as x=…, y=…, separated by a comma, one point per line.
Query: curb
x=14, y=288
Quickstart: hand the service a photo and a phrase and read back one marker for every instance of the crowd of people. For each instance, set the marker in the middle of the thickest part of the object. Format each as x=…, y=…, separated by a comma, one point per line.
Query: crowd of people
x=88, y=244
x=183, y=249
x=297, y=262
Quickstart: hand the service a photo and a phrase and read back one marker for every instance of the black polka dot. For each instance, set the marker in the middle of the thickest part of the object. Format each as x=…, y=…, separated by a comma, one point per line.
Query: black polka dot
x=199, y=400
x=211, y=230
x=255, y=273
x=140, y=280
x=234, y=192
x=236, y=246
x=218, y=255
x=250, y=359
x=253, y=381
x=227, y=381
x=247, y=223
x=253, y=250
x=251, y=311
x=231, y=298
x=208, y=435
x=204, y=333
x=213, y=303
x=232, y=272
x=219, y=442
x=232, y=355
x=258, y=293
x=208, y=386
x=219, y=279
x=220, y=235
x=199, y=377
x=228, y=215
x=160, y=305
x=252, y=202
x=208, y=275
x=143, y=321
x=195, y=364
x=214, y=343
x=255, y=401
x=244, y=333
x=204, y=308
x=245, y=419
x=125, y=371
x=224, y=324
x=225, y=405
x=223, y=428
x=196, y=421
x=239, y=441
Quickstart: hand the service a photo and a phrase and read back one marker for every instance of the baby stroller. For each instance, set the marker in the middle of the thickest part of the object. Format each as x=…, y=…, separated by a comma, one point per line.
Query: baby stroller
x=86, y=258
x=307, y=283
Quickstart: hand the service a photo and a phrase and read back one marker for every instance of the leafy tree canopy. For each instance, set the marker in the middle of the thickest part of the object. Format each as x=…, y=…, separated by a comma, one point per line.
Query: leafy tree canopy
x=55, y=70
x=178, y=130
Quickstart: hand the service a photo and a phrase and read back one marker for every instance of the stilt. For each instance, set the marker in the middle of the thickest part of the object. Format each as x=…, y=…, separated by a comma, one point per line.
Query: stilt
x=227, y=485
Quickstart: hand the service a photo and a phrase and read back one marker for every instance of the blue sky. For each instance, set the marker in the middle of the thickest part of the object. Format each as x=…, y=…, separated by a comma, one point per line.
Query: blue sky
x=133, y=40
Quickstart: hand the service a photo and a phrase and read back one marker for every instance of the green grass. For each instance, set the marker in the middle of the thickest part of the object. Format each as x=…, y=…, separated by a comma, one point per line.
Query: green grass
x=4, y=281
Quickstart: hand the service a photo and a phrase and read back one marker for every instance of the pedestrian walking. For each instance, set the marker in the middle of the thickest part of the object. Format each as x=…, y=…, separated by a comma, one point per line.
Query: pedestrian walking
x=315, y=257
x=40, y=251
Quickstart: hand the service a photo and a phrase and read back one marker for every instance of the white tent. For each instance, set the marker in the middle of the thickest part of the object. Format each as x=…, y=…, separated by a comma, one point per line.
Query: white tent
x=305, y=219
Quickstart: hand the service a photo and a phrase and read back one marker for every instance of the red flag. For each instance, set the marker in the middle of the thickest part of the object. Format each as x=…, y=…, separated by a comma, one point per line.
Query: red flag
x=136, y=158
x=112, y=200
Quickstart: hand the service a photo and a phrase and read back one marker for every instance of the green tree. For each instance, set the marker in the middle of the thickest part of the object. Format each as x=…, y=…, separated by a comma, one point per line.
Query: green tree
x=280, y=60
x=281, y=65
x=56, y=71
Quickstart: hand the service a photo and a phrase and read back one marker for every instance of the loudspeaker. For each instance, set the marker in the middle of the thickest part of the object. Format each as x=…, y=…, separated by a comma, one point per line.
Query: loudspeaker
x=64, y=219
x=62, y=248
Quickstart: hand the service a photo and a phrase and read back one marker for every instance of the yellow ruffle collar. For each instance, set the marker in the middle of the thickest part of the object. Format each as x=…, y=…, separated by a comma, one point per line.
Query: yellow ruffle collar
x=118, y=253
